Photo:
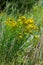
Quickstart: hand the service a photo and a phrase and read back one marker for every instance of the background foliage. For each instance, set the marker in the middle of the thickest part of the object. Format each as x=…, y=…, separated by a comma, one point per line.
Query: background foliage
x=17, y=5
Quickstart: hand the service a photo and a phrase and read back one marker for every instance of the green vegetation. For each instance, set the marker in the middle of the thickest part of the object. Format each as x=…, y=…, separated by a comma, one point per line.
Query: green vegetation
x=21, y=33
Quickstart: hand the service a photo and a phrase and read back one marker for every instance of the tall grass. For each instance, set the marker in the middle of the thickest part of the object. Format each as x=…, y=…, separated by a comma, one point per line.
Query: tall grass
x=17, y=47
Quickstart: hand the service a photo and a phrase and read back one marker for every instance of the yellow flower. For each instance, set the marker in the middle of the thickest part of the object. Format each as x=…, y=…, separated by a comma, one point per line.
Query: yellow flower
x=35, y=27
x=7, y=23
x=29, y=21
x=10, y=19
x=20, y=21
x=13, y=24
x=25, y=33
x=36, y=37
x=30, y=26
x=20, y=36
x=22, y=17
x=10, y=23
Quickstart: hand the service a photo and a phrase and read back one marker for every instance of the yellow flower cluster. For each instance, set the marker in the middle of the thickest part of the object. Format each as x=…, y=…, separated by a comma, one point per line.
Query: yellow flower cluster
x=26, y=21
x=29, y=21
x=10, y=22
x=26, y=25
x=21, y=19
x=31, y=26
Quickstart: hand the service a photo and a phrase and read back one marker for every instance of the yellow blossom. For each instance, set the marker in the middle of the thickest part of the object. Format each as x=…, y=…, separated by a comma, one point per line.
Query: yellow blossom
x=25, y=33
x=30, y=26
x=20, y=36
x=11, y=23
x=29, y=21
x=20, y=21
x=7, y=23
x=10, y=19
x=35, y=27
x=36, y=37
x=22, y=17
